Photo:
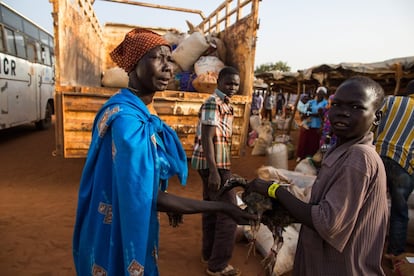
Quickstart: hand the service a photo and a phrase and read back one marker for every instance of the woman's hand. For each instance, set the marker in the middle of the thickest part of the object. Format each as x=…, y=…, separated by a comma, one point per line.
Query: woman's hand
x=170, y=203
x=240, y=216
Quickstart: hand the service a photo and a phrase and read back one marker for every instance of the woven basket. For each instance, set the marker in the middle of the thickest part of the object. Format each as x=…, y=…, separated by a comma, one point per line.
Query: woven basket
x=206, y=82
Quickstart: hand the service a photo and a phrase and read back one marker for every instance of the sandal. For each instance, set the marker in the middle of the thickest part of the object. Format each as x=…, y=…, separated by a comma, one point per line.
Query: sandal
x=227, y=271
x=203, y=260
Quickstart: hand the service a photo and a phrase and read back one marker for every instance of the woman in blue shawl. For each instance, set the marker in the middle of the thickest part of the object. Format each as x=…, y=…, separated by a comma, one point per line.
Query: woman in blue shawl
x=131, y=157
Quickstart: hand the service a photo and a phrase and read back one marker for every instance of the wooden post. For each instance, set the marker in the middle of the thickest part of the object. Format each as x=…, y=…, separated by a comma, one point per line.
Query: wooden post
x=292, y=119
x=398, y=75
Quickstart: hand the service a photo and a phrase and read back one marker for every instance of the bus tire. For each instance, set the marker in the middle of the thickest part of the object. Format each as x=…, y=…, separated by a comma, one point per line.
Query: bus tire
x=47, y=121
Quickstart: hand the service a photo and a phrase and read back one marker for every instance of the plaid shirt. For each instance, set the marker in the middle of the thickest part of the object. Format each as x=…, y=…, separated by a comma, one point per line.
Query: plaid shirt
x=215, y=112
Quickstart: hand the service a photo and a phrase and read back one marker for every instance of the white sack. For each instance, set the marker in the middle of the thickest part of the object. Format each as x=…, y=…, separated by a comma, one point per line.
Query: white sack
x=278, y=156
x=208, y=64
x=301, y=184
x=174, y=37
x=306, y=166
x=115, y=77
x=255, y=122
x=264, y=242
x=189, y=50
x=264, y=140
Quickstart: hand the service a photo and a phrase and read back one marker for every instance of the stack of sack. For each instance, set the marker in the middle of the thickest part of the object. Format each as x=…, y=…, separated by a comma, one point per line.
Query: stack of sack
x=282, y=123
x=201, y=57
x=198, y=57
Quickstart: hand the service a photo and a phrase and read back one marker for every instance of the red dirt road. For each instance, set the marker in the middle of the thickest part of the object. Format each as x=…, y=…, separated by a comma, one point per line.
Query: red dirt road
x=38, y=198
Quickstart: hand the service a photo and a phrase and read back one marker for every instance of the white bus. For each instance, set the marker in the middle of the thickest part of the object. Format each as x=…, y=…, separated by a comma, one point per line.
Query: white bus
x=26, y=71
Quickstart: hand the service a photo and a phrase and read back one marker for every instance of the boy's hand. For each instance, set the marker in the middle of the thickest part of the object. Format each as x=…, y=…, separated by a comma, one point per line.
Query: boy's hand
x=259, y=186
x=214, y=181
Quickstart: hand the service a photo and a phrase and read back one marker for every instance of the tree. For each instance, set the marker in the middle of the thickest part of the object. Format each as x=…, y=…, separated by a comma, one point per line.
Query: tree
x=280, y=65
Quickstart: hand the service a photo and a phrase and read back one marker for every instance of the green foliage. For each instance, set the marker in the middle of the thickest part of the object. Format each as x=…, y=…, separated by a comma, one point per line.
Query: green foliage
x=280, y=65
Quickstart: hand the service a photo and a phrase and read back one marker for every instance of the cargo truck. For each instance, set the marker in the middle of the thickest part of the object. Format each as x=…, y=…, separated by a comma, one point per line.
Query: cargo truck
x=82, y=47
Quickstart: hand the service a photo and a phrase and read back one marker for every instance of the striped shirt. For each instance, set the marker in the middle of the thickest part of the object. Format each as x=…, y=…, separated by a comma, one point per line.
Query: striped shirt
x=395, y=135
x=349, y=213
x=215, y=112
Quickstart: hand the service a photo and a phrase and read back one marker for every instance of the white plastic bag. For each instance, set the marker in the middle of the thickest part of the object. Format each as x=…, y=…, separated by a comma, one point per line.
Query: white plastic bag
x=208, y=64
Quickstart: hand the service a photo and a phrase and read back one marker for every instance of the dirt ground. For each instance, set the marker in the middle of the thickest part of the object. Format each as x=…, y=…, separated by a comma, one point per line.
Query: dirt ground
x=38, y=197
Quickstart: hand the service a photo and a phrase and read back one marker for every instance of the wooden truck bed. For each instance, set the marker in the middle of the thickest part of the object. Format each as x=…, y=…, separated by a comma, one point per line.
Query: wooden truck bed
x=81, y=55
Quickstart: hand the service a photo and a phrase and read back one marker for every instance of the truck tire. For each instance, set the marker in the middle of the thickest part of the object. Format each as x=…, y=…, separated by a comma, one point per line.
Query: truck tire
x=47, y=121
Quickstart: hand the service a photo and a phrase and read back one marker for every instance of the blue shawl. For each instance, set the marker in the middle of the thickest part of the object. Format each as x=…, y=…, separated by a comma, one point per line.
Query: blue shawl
x=131, y=156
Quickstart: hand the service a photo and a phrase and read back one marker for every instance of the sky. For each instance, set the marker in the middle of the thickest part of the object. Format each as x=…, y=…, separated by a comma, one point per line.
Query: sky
x=301, y=33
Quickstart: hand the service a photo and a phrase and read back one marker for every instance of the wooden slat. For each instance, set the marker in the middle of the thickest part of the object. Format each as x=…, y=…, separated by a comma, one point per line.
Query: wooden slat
x=156, y=6
x=80, y=110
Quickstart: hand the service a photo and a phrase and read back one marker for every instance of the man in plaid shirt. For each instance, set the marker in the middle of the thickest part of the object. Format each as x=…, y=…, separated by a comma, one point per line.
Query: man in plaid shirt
x=211, y=157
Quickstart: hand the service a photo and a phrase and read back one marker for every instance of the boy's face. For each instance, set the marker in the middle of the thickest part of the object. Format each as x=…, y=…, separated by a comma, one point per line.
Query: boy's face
x=229, y=85
x=352, y=111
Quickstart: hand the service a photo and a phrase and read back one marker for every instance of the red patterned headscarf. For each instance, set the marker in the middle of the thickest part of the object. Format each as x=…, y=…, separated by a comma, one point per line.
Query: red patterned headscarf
x=134, y=46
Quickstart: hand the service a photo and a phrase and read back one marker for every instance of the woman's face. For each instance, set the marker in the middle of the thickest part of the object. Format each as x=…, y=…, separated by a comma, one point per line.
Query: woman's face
x=320, y=96
x=155, y=69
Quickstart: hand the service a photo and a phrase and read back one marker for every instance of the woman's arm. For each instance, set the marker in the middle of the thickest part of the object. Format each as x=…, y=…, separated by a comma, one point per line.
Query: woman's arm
x=167, y=202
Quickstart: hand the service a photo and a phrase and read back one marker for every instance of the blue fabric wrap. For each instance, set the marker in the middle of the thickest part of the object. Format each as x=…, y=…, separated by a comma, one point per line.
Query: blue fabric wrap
x=131, y=156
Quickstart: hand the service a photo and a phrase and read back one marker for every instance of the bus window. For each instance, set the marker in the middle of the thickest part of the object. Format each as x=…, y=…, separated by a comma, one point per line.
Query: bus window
x=12, y=19
x=1, y=40
x=31, y=52
x=31, y=29
x=38, y=53
x=51, y=42
x=21, y=48
x=11, y=47
x=44, y=38
x=46, y=55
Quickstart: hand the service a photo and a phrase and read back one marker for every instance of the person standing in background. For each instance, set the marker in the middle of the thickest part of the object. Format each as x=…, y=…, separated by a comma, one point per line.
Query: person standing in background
x=212, y=159
x=395, y=144
x=280, y=103
x=257, y=103
x=302, y=107
x=309, y=138
x=269, y=105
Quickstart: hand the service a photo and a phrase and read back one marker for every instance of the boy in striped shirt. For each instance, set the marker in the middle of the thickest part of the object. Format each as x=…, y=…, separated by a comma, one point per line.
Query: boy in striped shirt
x=395, y=144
